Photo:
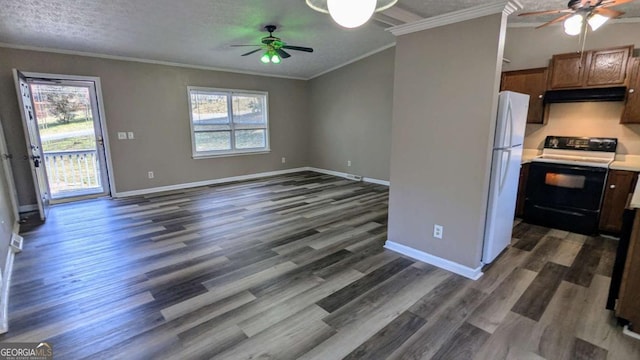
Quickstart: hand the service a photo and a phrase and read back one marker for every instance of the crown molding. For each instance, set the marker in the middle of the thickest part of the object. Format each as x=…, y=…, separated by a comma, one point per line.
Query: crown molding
x=500, y=7
x=352, y=61
x=141, y=60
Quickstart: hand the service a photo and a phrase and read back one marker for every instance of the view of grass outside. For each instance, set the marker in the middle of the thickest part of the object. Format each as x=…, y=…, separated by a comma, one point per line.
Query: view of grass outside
x=65, y=123
x=212, y=122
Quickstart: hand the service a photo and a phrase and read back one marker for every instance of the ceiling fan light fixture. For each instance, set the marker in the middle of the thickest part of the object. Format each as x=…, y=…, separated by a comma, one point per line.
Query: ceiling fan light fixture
x=265, y=59
x=350, y=13
x=573, y=25
x=596, y=20
x=275, y=59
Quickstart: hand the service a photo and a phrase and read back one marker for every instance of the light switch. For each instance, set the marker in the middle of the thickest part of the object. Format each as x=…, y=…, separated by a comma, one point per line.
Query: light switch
x=122, y=136
x=130, y=135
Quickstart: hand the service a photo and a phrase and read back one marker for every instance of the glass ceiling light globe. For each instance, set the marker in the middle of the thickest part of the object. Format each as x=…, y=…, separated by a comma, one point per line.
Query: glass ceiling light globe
x=351, y=13
x=573, y=25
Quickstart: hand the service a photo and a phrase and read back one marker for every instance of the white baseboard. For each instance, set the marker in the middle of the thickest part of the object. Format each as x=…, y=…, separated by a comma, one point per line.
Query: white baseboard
x=630, y=333
x=235, y=178
x=4, y=290
x=473, y=274
x=348, y=176
x=207, y=182
x=28, y=208
x=376, y=181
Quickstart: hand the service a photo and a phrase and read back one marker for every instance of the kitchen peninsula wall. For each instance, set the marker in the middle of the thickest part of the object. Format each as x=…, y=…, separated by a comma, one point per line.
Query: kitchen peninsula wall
x=532, y=48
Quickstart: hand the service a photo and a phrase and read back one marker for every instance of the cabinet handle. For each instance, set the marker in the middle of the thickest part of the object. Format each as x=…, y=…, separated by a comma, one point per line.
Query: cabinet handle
x=540, y=96
x=631, y=91
x=612, y=186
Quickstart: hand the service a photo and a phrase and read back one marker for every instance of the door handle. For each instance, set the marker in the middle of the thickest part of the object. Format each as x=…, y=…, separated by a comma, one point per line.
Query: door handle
x=36, y=160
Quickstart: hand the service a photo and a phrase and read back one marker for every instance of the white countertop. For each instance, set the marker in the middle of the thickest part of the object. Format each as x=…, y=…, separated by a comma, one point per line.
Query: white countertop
x=626, y=162
x=528, y=154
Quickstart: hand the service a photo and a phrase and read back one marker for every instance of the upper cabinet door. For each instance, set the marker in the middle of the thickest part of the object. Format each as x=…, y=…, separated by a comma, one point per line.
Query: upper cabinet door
x=608, y=67
x=567, y=70
x=631, y=114
x=532, y=82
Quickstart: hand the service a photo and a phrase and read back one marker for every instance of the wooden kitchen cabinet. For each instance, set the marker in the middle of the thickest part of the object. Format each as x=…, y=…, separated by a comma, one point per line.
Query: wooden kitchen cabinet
x=596, y=68
x=608, y=67
x=619, y=188
x=567, y=70
x=522, y=190
x=631, y=113
x=532, y=82
x=628, y=306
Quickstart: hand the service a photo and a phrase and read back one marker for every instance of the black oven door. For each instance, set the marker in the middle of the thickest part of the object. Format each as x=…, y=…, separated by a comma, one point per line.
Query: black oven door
x=564, y=196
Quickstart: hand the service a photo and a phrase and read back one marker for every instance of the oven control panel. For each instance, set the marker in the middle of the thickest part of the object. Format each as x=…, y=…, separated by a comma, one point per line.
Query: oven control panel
x=581, y=143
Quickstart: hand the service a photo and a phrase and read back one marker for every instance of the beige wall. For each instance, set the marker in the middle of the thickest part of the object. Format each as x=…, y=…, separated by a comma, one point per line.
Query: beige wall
x=7, y=214
x=586, y=119
x=530, y=48
x=351, y=117
x=151, y=101
x=444, y=110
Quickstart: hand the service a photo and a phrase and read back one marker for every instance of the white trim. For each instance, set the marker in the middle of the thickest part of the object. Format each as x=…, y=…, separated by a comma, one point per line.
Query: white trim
x=141, y=60
x=353, y=60
x=473, y=274
x=4, y=291
x=207, y=182
x=500, y=7
x=376, y=181
x=630, y=333
x=102, y=116
x=631, y=20
x=348, y=176
x=28, y=208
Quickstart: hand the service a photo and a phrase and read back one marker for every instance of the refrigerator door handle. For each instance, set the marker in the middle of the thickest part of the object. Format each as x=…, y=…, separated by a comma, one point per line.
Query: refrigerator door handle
x=510, y=123
x=505, y=171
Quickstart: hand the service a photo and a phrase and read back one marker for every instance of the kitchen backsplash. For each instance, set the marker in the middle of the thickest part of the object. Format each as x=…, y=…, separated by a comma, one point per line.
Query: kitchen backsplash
x=595, y=119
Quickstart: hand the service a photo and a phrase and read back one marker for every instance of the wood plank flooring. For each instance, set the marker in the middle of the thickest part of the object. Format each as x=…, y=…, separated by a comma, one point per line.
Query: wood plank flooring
x=293, y=267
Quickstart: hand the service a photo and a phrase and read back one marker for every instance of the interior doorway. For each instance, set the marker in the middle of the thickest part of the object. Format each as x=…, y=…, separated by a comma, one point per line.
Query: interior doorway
x=68, y=131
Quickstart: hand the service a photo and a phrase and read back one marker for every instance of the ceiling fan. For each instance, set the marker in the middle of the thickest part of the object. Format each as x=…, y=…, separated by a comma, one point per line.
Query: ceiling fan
x=274, y=47
x=595, y=12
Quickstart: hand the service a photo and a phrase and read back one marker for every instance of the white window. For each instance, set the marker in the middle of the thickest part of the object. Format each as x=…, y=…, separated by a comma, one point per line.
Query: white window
x=228, y=122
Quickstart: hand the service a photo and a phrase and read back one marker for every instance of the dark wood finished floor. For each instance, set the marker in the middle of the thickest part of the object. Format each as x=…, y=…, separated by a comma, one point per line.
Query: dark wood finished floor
x=294, y=267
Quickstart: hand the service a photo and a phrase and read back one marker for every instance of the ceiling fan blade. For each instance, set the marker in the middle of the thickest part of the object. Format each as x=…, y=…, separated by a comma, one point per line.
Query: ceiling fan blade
x=244, y=45
x=563, y=17
x=545, y=12
x=251, y=52
x=611, y=14
x=298, y=48
x=283, y=54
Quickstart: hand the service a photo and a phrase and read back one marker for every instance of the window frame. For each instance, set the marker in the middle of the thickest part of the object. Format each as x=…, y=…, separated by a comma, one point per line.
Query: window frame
x=233, y=151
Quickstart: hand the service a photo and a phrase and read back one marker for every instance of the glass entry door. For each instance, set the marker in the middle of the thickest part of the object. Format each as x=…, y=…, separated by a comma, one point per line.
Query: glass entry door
x=69, y=129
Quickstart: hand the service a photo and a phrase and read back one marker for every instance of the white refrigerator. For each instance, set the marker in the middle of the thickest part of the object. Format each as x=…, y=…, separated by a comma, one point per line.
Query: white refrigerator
x=505, y=173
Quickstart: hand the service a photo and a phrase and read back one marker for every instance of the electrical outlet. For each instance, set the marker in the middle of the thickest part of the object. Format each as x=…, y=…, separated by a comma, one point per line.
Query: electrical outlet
x=437, y=231
x=349, y=163
x=151, y=175
x=122, y=135
x=130, y=135
x=284, y=160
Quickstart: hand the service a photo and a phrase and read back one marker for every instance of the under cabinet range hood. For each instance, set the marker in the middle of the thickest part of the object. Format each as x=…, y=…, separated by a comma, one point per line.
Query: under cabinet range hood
x=582, y=95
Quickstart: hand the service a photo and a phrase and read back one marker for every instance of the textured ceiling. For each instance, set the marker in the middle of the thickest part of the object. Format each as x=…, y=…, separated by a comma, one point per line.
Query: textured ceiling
x=200, y=32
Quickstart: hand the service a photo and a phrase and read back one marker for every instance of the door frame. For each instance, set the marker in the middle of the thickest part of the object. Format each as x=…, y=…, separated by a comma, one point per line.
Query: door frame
x=111, y=189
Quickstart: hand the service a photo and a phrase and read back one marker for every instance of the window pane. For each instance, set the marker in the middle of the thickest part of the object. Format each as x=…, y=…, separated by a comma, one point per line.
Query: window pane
x=209, y=111
x=250, y=139
x=213, y=141
x=248, y=109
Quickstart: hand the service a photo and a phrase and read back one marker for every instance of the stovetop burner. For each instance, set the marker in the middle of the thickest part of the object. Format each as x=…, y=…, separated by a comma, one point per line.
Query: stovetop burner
x=595, y=152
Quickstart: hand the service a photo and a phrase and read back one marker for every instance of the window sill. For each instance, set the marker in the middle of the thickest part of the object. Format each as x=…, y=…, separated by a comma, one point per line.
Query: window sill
x=229, y=154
